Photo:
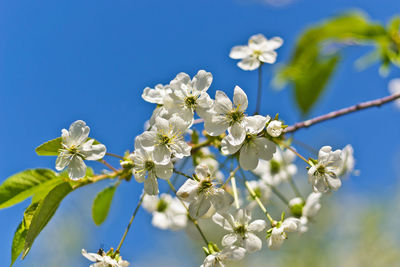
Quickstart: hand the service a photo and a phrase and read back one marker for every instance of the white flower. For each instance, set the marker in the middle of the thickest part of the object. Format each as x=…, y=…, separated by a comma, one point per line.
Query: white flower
x=274, y=128
x=253, y=147
x=258, y=51
x=279, y=168
x=242, y=231
x=103, y=260
x=278, y=233
x=394, y=88
x=145, y=165
x=218, y=259
x=309, y=209
x=166, y=138
x=322, y=175
x=168, y=212
x=191, y=95
x=156, y=95
x=202, y=194
x=76, y=147
x=348, y=161
x=227, y=117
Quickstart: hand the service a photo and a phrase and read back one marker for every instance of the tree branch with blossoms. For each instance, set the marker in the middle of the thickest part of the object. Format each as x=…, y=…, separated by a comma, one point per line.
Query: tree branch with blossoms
x=254, y=145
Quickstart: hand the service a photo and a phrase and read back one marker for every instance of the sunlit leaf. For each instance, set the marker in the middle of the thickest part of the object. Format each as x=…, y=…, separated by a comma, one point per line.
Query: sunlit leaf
x=101, y=205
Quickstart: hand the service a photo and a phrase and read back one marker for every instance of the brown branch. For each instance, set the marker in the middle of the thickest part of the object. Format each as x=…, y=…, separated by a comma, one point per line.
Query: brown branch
x=341, y=112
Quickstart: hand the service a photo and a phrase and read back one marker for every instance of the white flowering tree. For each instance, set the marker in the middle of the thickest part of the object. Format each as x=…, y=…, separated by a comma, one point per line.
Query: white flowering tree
x=221, y=160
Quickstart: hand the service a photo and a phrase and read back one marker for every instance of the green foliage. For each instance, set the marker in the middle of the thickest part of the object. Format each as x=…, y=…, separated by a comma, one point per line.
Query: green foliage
x=317, y=53
x=20, y=234
x=37, y=182
x=45, y=211
x=101, y=204
x=50, y=148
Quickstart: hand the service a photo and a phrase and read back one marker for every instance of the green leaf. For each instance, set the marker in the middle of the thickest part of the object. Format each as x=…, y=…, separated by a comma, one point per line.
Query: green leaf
x=309, y=88
x=50, y=148
x=101, y=204
x=20, y=233
x=25, y=184
x=46, y=210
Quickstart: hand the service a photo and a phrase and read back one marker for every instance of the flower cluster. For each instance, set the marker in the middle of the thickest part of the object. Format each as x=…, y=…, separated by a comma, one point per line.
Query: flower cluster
x=251, y=145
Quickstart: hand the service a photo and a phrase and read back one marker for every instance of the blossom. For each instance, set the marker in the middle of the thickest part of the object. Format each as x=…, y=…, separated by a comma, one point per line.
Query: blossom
x=306, y=211
x=278, y=233
x=253, y=146
x=217, y=259
x=259, y=50
x=189, y=95
x=348, y=161
x=77, y=147
x=279, y=168
x=322, y=174
x=242, y=231
x=394, y=88
x=274, y=128
x=156, y=95
x=228, y=117
x=202, y=193
x=145, y=165
x=166, y=139
x=103, y=260
x=168, y=212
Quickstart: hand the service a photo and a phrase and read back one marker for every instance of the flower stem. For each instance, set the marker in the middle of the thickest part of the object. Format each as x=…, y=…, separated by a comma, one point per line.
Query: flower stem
x=259, y=90
x=183, y=174
x=130, y=223
x=114, y=155
x=231, y=176
x=294, y=187
x=257, y=199
x=194, y=221
x=108, y=165
x=294, y=151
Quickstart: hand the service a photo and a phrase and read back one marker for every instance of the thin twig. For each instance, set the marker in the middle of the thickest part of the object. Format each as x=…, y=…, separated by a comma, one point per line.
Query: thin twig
x=130, y=223
x=341, y=112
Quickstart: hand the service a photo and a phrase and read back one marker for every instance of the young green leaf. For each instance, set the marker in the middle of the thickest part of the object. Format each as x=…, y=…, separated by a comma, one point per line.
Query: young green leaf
x=22, y=185
x=101, y=204
x=50, y=148
x=20, y=233
x=46, y=210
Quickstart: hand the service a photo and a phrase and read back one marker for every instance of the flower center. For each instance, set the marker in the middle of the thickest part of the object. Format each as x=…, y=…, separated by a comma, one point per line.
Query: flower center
x=162, y=205
x=204, y=185
x=275, y=166
x=190, y=102
x=148, y=165
x=257, y=53
x=164, y=139
x=241, y=230
x=235, y=116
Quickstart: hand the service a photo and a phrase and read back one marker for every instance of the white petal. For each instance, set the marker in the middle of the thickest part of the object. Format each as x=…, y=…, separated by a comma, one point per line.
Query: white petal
x=268, y=57
x=152, y=95
x=216, y=125
x=160, y=220
x=255, y=124
x=199, y=206
x=250, y=63
x=233, y=253
x=202, y=80
x=227, y=148
x=95, y=152
x=76, y=168
x=248, y=157
x=150, y=202
x=223, y=104
x=238, y=134
x=229, y=239
x=146, y=140
x=161, y=154
x=240, y=51
x=180, y=79
x=257, y=41
x=222, y=221
x=162, y=124
x=62, y=161
x=265, y=148
x=164, y=171
x=221, y=199
x=188, y=190
x=257, y=226
x=274, y=43
x=252, y=243
x=240, y=98
x=151, y=184
x=334, y=182
x=78, y=132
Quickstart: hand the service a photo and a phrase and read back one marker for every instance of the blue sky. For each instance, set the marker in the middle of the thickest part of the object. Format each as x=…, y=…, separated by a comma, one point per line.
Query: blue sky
x=90, y=60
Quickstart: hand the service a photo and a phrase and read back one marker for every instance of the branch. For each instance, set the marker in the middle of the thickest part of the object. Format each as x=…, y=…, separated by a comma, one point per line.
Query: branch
x=341, y=112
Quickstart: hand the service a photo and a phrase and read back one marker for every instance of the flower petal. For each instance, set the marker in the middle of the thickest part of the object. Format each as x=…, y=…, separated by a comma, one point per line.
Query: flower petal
x=240, y=98
x=199, y=206
x=229, y=239
x=151, y=184
x=252, y=243
x=268, y=57
x=223, y=104
x=257, y=226
x=202, y=80
x=78, y=132
x=250, y=63
x=240, y=51
x=237, y=133
x=248, y=157
x=76, y=168
x=164, y=171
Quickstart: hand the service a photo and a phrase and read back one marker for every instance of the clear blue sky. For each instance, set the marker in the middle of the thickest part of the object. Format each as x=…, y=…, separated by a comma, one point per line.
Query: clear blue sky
x=66, y=60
